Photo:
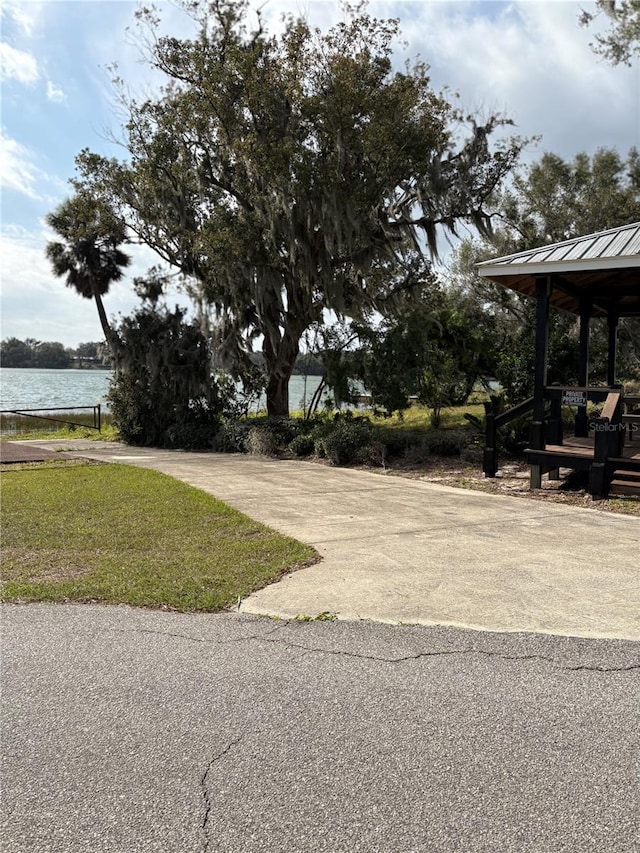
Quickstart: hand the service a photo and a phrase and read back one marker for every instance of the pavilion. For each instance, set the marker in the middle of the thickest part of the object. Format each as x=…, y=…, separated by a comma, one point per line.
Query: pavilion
x=593, y=276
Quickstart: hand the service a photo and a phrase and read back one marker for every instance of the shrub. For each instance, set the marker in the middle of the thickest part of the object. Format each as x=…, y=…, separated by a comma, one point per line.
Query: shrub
x=162, y=393
x=441, y=442
x=632, y=388
x=232, y=436
x=447, y=442
x=261, y=441
x=302, y=445
x=371, y=454
x=347, y=438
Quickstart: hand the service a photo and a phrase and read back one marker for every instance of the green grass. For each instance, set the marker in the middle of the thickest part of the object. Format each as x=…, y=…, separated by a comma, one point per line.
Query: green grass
x=118, y=534
x=417, y=418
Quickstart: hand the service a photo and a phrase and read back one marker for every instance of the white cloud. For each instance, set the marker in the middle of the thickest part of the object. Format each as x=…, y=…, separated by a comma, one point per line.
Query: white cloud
x=35, y=303
x=17, y=65
x=528, y=60
x=17, y=170
x=55, y=93
x=22, y=14
x=532, y=62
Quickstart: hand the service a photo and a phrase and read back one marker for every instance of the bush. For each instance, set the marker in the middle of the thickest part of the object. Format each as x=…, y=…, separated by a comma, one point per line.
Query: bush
x=514, y=437
x=447, y=442
x=302, y=445
x=441, y=442
x=231, y=436
x=399, y=442
x=261, y=441
x=163, y=393
x=345, y=442
x=631, y=388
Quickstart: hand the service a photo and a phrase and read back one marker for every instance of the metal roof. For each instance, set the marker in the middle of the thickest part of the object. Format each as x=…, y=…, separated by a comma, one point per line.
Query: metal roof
x=604, y=267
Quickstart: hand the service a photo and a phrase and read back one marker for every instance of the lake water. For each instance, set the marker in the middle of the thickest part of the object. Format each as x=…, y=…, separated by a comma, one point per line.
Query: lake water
x=31, y=388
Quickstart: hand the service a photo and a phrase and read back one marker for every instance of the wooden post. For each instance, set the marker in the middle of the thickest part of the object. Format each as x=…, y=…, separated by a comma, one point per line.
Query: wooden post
x=554, y=427
x=612, y=321
x=581, y=421
x=543, y=292
x=598, y=470
x=607, y=445
x=489, y=457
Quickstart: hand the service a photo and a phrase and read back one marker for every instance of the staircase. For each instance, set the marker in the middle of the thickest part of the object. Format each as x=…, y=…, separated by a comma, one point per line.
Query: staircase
x=626, y=476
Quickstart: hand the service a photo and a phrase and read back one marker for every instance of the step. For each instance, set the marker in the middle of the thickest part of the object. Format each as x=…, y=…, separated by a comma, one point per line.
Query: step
x=620, y=463
x=571, y=458
x=631, y=476
x=624, y=487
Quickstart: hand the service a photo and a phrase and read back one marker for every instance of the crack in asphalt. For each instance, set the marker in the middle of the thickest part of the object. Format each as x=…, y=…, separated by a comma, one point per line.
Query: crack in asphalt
x=468, y=650
x=629, y=668
x=206, y=796
x=191, y=638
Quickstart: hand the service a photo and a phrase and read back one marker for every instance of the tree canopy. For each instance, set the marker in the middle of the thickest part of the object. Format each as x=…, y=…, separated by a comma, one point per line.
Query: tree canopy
x=293, y=174
x=89, y=257
x=551, y=200
x=33, y=353
x=556, y=199
x=621, y=42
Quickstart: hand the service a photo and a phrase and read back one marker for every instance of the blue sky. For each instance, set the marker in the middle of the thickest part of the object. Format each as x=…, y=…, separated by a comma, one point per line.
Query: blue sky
x=527, y=59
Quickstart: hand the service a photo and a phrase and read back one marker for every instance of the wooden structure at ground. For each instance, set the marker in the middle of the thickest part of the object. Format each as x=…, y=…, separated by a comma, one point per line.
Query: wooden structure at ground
x=593, y=276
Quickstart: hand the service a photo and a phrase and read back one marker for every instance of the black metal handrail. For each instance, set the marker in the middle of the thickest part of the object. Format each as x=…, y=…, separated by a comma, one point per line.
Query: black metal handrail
x=29, y=413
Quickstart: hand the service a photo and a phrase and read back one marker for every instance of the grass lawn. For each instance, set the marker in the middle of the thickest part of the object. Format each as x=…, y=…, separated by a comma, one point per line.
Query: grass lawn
x=76, y=531
x=418, y=418
x=29, y=432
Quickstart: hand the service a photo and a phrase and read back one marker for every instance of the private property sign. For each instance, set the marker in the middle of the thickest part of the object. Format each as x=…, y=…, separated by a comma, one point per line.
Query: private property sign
x=574, y=397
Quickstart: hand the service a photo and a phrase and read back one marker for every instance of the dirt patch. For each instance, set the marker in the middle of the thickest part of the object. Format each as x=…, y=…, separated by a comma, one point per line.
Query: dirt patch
x=12, y=452
x=513, y=479
x=39, y=566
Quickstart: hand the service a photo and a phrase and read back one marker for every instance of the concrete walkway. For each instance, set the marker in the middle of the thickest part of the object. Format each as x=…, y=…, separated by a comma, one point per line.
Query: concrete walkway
x=399, y=550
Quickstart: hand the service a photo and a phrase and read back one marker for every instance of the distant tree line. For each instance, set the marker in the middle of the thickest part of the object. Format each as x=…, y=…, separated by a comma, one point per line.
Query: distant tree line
x=52, y=354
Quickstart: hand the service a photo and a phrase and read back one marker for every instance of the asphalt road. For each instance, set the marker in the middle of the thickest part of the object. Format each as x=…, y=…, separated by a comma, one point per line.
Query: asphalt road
x=128, y=730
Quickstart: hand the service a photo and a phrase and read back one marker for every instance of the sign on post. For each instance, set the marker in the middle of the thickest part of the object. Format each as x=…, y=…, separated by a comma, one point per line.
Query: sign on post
x=574, y=397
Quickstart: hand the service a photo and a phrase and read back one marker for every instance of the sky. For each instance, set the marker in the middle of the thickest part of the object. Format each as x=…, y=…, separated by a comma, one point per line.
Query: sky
x=527, y=59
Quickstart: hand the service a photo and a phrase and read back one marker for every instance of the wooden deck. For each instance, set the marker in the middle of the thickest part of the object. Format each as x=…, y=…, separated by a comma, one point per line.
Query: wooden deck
x=582, y=448
x=577, y=453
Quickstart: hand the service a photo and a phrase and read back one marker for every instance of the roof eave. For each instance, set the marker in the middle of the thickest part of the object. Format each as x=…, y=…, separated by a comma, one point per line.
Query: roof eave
x=491, y=269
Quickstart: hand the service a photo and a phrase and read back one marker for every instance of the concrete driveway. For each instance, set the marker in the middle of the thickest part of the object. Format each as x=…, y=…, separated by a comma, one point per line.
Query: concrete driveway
x=405, y=551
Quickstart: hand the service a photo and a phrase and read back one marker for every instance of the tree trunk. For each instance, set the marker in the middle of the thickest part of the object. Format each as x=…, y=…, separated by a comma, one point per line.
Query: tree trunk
x=109, y=335
x=278, y=396
x=280, y=361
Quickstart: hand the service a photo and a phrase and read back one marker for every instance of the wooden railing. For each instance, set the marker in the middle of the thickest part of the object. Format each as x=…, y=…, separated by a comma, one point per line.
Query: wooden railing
x=607, y=444
x=631, y=418
x=493, y=423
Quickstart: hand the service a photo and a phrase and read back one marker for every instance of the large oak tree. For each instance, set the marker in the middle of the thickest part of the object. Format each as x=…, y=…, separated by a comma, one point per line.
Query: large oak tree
x=621, y=41
x=286, y=174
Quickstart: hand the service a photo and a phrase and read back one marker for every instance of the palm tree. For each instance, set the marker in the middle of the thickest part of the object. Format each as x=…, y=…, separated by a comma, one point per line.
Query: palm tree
x=89, y=255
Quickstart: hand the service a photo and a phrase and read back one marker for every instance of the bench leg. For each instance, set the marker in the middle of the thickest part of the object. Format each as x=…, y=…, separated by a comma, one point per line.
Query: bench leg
x=598, y=480
x=536, y=477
